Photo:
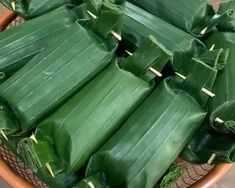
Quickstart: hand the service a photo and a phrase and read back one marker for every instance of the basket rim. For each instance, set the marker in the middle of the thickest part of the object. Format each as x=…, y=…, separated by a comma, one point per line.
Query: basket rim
x=15, y=180
x=12, y=178
x=6, y=18
x=214, y=176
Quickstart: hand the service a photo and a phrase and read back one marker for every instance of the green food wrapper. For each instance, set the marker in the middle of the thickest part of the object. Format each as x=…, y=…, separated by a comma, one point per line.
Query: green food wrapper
x=67, y=138
x=210, y=147
x=32, y=8
x=147, y=143
x=62, y=180
x=53, y=76
x=196, y=17
x=215, y=142
x=229, y=7
x=138, y=24
x=20, y=44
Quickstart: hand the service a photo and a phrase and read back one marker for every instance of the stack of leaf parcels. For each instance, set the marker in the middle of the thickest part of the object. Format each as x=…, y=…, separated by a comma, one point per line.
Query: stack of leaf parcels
x=107, y=94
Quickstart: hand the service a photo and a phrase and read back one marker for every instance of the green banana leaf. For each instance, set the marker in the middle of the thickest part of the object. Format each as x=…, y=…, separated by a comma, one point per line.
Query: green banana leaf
x=103, y=16
x=228, y=6
x=54, y=75
x=218, y=138
x=223, y=104
x=62, y=180
x=96, y=180
x=210, y=147
x=138, y=24
x=139, y=153
x=93, y=114
x=196, y=17
x=20, y=44
x=32, y=8
x=171, y=176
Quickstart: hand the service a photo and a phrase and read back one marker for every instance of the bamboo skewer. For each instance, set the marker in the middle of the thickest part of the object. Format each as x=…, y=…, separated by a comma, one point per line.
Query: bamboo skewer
x=48, y=166
x=90, y=184
x=209, y=93
x=155, y=71
x=150, y=68
x=180, y=75
x=203, y=31
x=204, y=90
x=1, y=131
x=116, y=35
x=3, y=134
x=218, y=120
x=212, y=158
x=212, y=47
x=129, y=53
x=13, y=5
x=32, y=137
x=91, y=14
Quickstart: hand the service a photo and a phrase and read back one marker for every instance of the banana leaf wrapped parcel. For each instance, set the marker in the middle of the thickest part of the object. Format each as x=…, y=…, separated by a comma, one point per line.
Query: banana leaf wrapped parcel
x=228, y=6
x=32, y=8
x=138, y=24
x=20, y=44
x=62, y=180
x=196, y=17
x=210, y=147
x=57, y=73
x=67, y=138
x=215, y=142
x=147, y=143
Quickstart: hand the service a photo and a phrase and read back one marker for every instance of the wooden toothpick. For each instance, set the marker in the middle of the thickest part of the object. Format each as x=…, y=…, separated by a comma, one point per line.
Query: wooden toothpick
x=150, y=68
x=209, y=93
x=203, y=31
x=218, y=120
x=91, y=14
x=155, y=72
x=117, y=36
x=3, y=134
x=212, y=47
x=180, y=75
x=90, y=184
x=129, y=53
x=206, y=91
x=33, y=137
x=13, y=5
x=212, y=158
x=48, y=166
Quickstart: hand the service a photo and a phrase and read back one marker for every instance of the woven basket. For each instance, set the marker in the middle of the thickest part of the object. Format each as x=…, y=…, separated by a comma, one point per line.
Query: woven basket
x=16, y=174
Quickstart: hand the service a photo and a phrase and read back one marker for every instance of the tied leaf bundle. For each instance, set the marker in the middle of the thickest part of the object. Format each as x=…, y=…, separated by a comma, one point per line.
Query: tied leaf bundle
x=82, y=105
x=196, y=17
x=87, y=119
x=20, y=44
x=215, y=143
x=138, y=24
x=32, y=8
x=53, y=76
x=139, y=153
x=228, y=7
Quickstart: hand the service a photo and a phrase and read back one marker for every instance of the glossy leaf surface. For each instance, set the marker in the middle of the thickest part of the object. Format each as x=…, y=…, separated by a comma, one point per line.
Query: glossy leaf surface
x=20, y=44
